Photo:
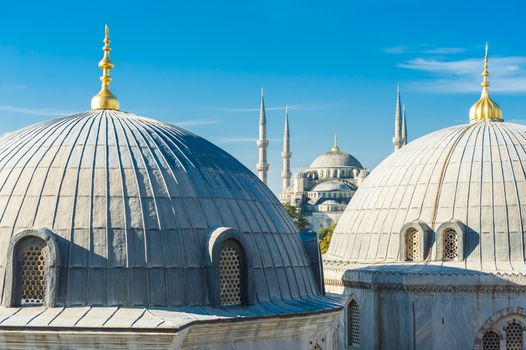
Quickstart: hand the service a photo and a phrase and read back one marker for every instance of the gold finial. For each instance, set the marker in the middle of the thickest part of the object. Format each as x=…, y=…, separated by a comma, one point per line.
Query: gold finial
x=105, y=99
x=485, y=82
x=485, y=108
x=335, y=147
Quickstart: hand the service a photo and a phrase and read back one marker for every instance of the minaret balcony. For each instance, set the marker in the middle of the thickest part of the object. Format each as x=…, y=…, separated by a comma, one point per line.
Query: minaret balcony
x=262, y=143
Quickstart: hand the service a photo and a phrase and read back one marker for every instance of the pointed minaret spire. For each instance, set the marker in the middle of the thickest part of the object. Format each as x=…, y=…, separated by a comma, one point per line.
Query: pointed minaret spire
x=262, y=142
x=286, y=174
x=397, y=139
x=404, y=126
x=105, y=99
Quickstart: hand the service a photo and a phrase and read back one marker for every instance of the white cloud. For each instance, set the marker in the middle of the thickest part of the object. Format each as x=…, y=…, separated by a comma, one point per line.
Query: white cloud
x=397, y=49
x=507, y=74
x=33, y=111
x=444, y=50
x=424, y=49
x=228, y=140
x=240, y=139
x=13, y=87
x=195, y=122
x=298, y=107
x=517, y=120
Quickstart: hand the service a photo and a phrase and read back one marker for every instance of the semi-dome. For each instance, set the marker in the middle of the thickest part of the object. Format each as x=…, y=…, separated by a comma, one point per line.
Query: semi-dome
x=333, y=185
x=132, y=204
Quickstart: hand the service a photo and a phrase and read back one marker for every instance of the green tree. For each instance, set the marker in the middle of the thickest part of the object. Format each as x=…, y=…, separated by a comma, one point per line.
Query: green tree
x=297, y=217
x=325, y=236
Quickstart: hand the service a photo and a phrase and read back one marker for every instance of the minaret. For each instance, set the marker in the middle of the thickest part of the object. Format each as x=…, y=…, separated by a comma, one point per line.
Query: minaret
x=398, y=141
x=262, y=142
x=286, y=174
x=404, y=126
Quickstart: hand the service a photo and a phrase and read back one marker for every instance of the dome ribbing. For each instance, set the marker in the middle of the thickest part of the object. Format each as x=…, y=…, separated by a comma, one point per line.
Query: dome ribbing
x=132, y=201
x=474, y=173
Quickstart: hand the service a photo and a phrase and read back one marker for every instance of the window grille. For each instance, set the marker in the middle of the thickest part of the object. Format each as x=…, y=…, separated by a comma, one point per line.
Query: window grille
x=412, y=244
x=450, y=244
x=491, y=341
x=353, y=324
x=33, y=286
x=514, y=336
x=230, y=274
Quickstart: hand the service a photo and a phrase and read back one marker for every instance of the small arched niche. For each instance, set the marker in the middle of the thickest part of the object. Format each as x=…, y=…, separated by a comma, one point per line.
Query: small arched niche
x=31, y=269
x=229, y=268
x=353, y=323
x=414, y=241
x=450, y=241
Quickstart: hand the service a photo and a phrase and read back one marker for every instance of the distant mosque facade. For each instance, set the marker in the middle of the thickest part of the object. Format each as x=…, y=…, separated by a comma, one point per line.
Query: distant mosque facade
x=324, y=189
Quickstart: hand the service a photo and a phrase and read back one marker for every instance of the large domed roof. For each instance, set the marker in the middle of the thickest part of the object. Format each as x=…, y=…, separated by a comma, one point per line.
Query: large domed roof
x=335, y=159
x=474, y=174
x=132, y=202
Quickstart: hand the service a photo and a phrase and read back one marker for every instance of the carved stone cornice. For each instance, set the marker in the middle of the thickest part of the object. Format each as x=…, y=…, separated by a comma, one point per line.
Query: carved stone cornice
x=428, y=288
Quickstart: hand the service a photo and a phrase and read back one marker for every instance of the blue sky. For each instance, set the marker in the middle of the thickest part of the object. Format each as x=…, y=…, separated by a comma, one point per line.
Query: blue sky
x=200, y=65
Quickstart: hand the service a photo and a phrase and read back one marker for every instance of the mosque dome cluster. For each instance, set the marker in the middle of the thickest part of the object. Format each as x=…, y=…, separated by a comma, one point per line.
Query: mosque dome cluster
x=324, y=189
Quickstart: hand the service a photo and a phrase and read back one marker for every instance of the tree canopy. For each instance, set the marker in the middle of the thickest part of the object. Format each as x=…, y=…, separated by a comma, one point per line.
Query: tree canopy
x=297, y=216
x=325, y=236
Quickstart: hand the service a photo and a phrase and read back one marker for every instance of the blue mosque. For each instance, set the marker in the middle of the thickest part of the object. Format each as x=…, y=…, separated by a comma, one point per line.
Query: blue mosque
x=323, y=190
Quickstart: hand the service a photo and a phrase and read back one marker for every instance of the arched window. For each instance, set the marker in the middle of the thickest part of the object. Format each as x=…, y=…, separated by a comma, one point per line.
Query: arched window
x=32, y=261
x=231, y=273
x=450, y=244
x=412, y=245
x=513, y=336
x=491, y=341
x=353, y=324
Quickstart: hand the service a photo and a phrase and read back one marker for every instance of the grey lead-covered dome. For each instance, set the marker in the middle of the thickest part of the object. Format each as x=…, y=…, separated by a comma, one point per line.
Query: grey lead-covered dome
x=132, y=201
x=333, y=186
x=472, y=174
x=335, y=159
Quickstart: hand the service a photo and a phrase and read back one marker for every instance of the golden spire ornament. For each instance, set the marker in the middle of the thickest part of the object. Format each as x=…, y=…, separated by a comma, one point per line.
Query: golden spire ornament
x=485, y=108
x=335, y=148
x=105, y=99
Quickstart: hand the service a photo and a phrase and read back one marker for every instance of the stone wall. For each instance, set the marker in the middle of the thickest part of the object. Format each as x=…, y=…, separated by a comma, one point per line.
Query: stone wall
x=297, y=332
x=429, y=315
